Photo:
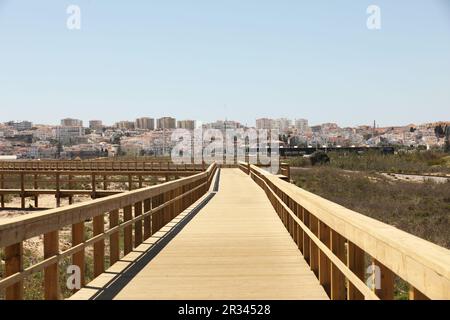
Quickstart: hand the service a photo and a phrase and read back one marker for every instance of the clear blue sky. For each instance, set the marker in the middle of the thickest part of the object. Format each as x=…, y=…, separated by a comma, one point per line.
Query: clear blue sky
x=235, y=59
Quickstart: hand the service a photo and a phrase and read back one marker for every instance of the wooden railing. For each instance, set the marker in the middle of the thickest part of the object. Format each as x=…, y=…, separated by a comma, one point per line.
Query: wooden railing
x=74, y=165
x=135, y=214
x=352, y=255
x=68, y=183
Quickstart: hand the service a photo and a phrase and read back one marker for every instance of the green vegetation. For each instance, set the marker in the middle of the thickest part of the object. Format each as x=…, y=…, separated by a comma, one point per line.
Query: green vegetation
x=421, y=209
x=403, y=162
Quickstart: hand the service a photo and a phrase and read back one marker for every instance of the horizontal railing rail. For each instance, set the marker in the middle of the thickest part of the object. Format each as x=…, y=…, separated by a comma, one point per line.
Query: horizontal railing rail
x=111, y=165
x=29, y=183
x=354, y=256
x=136, y=214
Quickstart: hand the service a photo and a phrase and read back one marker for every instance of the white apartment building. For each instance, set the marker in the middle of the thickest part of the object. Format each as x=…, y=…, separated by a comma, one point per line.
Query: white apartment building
x=95, y=124
x=264, y=123
x=282, y=124
x=301, y=125
x=145, y=123
x=69, y=122
x=67, y=134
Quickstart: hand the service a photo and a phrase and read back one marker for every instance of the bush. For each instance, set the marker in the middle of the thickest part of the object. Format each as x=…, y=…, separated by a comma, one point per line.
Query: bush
x=319, y=157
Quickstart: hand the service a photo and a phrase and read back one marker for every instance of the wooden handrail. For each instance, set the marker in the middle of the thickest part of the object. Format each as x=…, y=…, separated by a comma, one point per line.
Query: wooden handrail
x=153, y=207
x=91, y=165
x=424, y=265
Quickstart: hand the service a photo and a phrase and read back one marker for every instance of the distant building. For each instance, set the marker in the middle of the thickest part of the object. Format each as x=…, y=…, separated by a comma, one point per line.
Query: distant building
x=69, y=122
x=43, y=133
x=20, y=125
x=186, y=124
x=223, y=125
x=145, y=123
x=282, y=124
x=264, y=123
x=125, y=125
x=166, y=123
x=95, y=125
x=67, y=134
x=301, y=125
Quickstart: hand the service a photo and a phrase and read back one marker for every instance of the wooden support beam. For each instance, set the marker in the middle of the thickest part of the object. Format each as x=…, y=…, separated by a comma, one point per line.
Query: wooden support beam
x=356, y=263
x=324, y=262
x=78, y=235
x=137, y=224
x=22, y=191
x=99, y=246
x=35, y=186
x=94, y=186
x=70, y=188
x=313, y=249
x=51, y=276
x=2, y=186
x=415, y=294
x=147, y=219
x=128, y=230
x=14, y=264
x=114, y=248
x=306, y=239
x=386, y=289
x=338, y=284
x=58, y=187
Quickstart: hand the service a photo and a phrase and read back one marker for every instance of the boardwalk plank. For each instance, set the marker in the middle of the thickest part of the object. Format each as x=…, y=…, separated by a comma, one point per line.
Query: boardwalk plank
x=234, y=248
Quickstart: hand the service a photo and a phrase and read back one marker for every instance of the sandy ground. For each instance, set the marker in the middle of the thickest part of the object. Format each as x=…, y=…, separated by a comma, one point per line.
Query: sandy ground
x=415, y=178
x=441, y=178
x=45, y=202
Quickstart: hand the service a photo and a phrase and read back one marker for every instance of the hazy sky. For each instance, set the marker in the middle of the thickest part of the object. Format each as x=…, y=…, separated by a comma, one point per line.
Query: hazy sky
x=235, y=59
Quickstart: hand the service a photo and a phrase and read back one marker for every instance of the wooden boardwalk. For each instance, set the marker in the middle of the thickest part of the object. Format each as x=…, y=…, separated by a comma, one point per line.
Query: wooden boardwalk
x=236, y=247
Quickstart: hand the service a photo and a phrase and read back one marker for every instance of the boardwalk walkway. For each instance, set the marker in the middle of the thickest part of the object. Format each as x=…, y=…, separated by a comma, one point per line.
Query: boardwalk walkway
x=234, y=248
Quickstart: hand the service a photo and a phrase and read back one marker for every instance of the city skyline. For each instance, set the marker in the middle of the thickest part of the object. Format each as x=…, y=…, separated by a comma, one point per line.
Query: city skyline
x=199, y=123
x=212, y=61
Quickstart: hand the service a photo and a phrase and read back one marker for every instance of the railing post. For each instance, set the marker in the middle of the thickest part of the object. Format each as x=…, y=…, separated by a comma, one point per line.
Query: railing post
x=22, y=191
x=94, y=186
x=36, y=196
x=2, y=186
x=114, y=249
x=386, y=290
x=128, y=230
x=313, y=249
x=58, y=195
x=415, y=294
x=137, y=224
x=51, y=276
x=324, y=262
x=338, y=289
x=14, y=264
x=299, y=229
x=147, y=219
x=306, y=239
x=78, y=258
x=355, y=262
x=99, y=246
x=70, y=188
